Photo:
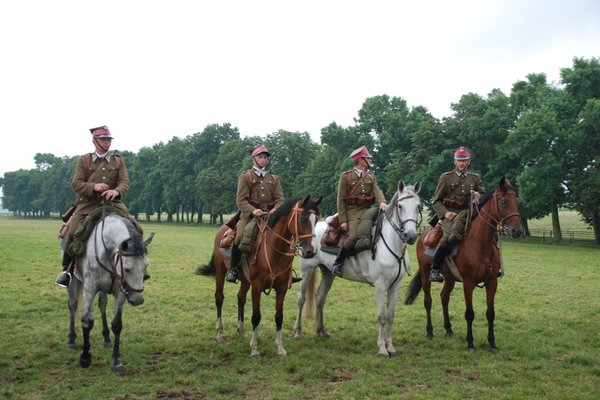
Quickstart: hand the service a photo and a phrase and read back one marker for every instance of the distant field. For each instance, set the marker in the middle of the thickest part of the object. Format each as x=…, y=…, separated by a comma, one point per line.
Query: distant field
x=547, y=324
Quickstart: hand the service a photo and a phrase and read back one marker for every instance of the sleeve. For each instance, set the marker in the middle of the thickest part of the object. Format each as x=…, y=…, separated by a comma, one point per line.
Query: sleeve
x=341, y=195
x=242, y=197
x=479, y=185
x=80, y=182
x=438, y=198
x=379, y=197
x=122, y=177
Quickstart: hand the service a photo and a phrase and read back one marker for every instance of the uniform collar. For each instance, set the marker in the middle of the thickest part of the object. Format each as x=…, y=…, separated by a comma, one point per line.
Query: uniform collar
x=105, y=156
x=259, y=171
x=359, y=172
x=461, y=174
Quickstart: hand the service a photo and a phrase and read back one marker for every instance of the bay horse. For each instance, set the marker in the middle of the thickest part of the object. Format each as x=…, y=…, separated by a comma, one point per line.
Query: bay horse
x=478, y=260
x=115, y=262
x=383, y=267
x=287, y=231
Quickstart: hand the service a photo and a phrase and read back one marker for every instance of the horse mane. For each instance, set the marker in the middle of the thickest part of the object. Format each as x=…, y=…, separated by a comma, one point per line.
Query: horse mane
x=281, y=211
x=135, y=244
x=389, y=211
x=507, y=187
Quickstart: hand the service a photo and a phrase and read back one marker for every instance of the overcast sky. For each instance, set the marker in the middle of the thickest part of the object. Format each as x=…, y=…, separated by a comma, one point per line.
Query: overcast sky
x=151, y=70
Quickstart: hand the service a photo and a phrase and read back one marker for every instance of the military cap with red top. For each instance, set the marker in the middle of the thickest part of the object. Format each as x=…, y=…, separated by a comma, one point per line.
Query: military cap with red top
x=462, y=153
x=259, y=150
x=359, y=153
x=101, y=132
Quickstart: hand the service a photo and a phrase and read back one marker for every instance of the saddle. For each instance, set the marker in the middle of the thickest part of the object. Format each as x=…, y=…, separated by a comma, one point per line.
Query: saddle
x=85, y=228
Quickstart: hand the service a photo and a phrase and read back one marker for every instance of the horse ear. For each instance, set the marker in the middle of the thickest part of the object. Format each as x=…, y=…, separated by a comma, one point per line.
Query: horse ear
x=503, y=181
x=305, y=201
x=149, y=239
x=417, y=187
x=318, y=200
x=400, y=185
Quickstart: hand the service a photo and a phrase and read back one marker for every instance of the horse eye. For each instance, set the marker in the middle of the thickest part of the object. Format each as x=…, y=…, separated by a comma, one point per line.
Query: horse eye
x=504, y=203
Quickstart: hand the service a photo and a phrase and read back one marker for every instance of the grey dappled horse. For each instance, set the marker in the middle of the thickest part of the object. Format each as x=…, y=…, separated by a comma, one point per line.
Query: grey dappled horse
x=384, y=268
x=115, y=261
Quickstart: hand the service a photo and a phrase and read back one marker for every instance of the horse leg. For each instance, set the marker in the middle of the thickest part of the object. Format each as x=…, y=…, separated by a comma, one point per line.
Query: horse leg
x=427, y=301
x=382, y=317
x=241, y=298
x=280, y=297
x=392, y=297
x=256, y=292
x=117, y=326
x=102, y=301
x=445, y=296
x=469, y=314
x=219, y=297
x=307, y=277
x=491, y=313
x=327, y=279
x=87, y=323
x=72, y=303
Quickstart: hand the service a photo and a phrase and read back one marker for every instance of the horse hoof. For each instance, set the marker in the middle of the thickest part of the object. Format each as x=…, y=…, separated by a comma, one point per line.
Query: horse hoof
x=107, y=343
x=393, y=354
x=429, y=336
x=255, y=354
x=494, y=350
x=71, y=345
x=118, y=369
x=85, y=362
x=471, y=349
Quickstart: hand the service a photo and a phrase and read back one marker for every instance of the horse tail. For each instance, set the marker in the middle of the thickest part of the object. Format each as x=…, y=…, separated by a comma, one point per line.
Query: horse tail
x=413, y=289
x=309, y=305
x=209, y=269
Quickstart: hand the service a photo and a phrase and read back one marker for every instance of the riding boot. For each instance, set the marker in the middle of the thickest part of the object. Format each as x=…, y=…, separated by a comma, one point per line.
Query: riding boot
x=64, y=278
x=436, y=265
x=236, y=256
x=338, y=264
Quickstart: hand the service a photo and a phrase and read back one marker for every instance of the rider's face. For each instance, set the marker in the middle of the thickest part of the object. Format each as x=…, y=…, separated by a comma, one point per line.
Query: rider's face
x=261, y=160
x=461, y=165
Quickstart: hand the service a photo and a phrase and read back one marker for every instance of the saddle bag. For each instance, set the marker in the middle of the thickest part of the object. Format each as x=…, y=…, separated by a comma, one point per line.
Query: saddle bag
x=433, y=236
x=227, y=239
x=332, y=234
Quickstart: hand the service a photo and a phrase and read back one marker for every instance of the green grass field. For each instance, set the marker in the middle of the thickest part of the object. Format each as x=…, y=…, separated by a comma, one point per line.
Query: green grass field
x=547, y=324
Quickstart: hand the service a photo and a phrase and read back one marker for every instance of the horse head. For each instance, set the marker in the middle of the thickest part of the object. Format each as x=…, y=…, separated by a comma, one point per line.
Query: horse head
x=306, y=224
x=507, y=208
x=406, y=206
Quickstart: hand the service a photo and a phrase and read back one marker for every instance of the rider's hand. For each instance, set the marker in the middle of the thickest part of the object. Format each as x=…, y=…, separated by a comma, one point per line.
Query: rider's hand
x=110, y=194
x=344, y=226
x=100, y=187
x=257, y=212
x=382, y=206
x=449, y=215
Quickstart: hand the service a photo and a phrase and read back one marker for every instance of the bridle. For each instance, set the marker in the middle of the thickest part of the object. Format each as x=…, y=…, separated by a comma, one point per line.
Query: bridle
x=489, y=218
x=293, y=243
x=398, y=227
x=116, y=269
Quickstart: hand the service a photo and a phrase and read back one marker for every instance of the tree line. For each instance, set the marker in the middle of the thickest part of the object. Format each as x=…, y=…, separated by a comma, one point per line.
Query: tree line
x=545, y=137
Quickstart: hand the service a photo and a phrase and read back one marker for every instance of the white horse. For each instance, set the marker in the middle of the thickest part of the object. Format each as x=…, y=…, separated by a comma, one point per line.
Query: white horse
x=384, y=267
x=114, y=263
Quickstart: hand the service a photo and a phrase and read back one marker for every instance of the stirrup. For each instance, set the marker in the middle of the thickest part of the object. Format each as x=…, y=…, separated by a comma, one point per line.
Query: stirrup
x=232, y=276
x=435, y=276
x=337, y=270
x=63, y=279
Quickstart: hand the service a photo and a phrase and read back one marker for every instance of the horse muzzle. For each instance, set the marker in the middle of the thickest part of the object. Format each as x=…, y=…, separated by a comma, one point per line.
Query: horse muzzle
x=135, y=298
x=307, y=251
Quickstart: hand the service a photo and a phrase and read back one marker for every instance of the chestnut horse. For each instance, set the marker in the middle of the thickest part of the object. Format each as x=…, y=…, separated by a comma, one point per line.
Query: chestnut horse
x=478, y=260
x=288, y=230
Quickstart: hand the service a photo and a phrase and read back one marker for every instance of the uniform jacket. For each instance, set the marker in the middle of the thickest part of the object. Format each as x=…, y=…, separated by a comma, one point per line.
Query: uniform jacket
x=367, y=186
x=457, y=187
x=91, y=170
x=263, y=192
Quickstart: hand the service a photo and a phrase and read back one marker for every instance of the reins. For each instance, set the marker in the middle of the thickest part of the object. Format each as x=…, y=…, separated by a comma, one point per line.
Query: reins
x=125, y=287
x=293, y=243
x=399, y=229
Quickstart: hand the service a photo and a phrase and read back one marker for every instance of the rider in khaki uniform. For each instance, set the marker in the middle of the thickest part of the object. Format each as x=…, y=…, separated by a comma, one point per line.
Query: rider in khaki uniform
x=452, y=195
x=99, y=176
x=258, y=191
x=357, y=191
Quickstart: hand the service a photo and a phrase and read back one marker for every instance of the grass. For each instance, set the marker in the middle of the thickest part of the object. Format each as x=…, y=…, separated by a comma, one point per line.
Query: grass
x=547, y=323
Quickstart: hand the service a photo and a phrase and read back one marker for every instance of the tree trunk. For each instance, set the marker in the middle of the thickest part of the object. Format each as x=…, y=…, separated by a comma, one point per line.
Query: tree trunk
x=556, y=232
x=597, y=228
